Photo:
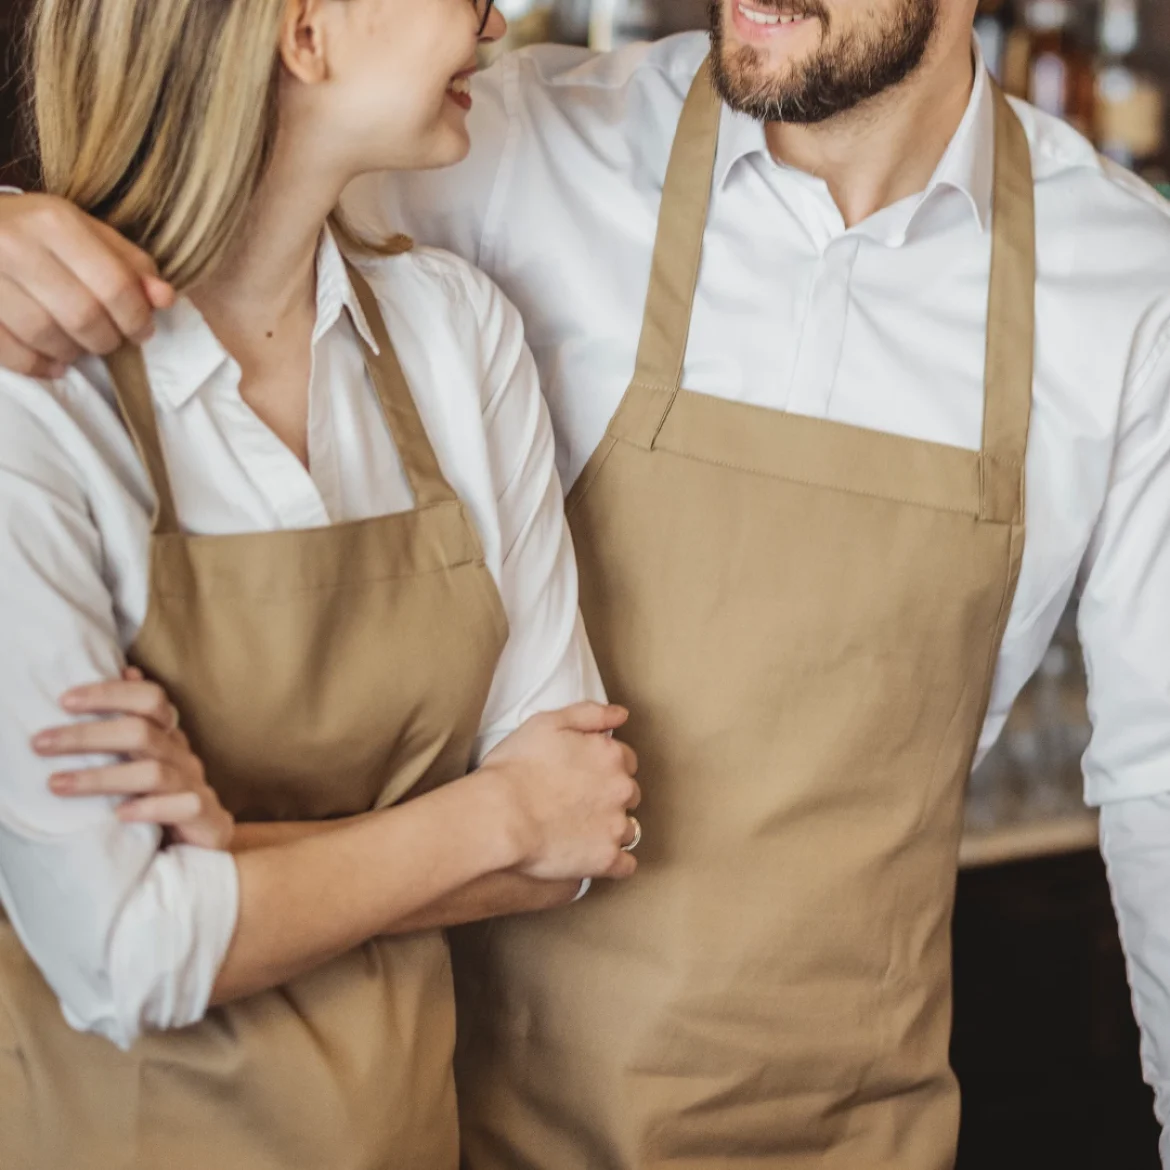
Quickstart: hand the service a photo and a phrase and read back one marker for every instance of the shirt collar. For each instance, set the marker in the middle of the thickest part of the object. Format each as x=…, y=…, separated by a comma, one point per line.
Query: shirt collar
x=184, y=355
x=967, y=166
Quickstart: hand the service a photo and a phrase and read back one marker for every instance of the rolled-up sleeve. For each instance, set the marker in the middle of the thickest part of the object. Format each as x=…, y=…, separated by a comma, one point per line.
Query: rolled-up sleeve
x=130, y=936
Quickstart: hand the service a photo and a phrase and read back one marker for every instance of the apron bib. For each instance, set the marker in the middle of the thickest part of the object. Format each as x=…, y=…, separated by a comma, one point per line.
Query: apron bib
x=804, y=618
x=319, y=674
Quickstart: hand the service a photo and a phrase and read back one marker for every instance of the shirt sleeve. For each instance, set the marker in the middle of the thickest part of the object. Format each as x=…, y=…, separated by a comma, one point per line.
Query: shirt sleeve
x=128, y=935
x=1135, y=840
x=449, y=207
x=1125, y=631
x=1124, y=616
x=547, y=662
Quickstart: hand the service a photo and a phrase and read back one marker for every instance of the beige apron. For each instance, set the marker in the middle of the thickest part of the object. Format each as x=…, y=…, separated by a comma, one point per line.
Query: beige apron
x=804, y=618
x=319, y=674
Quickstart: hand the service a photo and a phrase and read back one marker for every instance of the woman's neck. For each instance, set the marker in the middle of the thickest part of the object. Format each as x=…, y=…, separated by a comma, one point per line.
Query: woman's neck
x=267, y=286
x=261, y=303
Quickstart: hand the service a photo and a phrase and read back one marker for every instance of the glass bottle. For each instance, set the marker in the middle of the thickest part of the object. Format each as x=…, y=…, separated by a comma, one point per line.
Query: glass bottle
x=1060, y=72
x=1129, y=115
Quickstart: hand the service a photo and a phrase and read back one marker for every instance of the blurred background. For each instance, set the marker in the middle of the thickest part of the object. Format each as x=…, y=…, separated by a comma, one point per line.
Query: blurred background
x=1045, y=1041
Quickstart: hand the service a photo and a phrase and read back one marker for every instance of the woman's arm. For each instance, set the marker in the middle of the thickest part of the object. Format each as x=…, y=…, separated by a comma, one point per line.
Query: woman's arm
x=547, y=809
x=552, y=807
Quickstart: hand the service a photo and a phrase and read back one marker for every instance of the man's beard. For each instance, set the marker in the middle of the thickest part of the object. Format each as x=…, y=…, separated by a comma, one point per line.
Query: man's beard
x=839, y=76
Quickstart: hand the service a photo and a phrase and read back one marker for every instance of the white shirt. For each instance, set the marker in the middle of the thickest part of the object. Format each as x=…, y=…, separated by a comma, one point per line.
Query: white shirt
x=883, y=326
x=130, y=936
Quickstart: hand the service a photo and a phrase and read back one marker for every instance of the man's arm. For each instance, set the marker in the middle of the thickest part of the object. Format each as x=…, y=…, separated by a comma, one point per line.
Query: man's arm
x=1125, y=631
x=69, y=285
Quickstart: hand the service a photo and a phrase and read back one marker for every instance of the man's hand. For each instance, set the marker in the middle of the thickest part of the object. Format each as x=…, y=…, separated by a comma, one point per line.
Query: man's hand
x=69, y=285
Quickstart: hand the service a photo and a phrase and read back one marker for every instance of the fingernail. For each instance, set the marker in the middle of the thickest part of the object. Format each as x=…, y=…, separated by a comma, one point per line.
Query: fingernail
x=72, y=701
x=63, y=782
x=43, y=740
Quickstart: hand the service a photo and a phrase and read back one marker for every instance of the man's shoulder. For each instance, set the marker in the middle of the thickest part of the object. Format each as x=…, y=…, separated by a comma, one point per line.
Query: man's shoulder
x=1075, y=182
x=1098, y=224
x=662, y=71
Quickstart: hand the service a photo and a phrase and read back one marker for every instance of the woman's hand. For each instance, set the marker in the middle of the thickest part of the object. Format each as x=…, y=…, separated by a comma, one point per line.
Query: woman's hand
x=570, y=788
x=161, y=778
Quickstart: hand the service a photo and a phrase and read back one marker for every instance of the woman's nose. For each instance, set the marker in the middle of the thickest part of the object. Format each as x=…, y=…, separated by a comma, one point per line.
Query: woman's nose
x=495, y=27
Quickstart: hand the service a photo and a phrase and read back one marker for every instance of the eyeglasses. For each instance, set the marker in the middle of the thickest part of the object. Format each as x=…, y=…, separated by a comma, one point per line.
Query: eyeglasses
x=483, y=9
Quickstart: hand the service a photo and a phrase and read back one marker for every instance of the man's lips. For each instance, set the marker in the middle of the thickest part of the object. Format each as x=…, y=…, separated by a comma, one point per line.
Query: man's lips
x=764, y=22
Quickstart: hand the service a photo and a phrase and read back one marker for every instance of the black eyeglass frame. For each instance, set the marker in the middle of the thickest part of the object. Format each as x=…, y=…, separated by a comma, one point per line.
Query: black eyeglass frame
x=487, y=15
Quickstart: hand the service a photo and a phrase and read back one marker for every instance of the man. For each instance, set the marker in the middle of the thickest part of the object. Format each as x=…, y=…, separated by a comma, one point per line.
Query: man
x=882, y=306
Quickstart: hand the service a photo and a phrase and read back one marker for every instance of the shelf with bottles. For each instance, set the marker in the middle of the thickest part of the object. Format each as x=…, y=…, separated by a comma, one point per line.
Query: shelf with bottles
x=1100, y=64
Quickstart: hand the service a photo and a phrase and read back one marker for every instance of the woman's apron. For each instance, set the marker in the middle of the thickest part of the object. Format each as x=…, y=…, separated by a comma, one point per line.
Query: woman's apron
x=319, y=674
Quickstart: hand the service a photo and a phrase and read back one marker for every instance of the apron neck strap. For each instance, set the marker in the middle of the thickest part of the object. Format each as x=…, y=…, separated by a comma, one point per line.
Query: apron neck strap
x=419, y=462
x=678, y=249
x=1011, y=322
x=132, y=389
x=686, y=198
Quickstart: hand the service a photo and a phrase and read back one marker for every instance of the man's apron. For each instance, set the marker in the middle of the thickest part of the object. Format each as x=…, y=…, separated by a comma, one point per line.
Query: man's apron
x=319, y=674
x=804, y=618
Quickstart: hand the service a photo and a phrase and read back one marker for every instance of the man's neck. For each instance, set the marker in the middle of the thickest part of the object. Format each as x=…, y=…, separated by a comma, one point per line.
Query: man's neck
x=887, y=149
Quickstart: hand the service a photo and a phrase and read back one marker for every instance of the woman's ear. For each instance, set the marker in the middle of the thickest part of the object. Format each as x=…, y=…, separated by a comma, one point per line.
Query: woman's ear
x=302, y=40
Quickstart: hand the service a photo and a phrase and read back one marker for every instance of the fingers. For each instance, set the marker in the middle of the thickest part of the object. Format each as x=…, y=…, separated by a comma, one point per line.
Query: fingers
x=95, y=287
x=25, y=318
x=130, y=254
x=634, y=799
x=133, y=736
x=124, y=696
x=160, y=294
x=629, y=758
x=140, y=778
x=592, y=717
x=623, y=868
x=22, y=359
x=75, y=305
x=179, y=808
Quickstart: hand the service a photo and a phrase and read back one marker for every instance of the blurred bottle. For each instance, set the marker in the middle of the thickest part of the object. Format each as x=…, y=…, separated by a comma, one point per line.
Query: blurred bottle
x=1060, y=77
x=993, y=26
x=1129, y=116
x=614, y=23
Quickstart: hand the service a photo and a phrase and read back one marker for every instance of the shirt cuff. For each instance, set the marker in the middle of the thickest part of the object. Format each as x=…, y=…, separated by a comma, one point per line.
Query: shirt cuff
x=164, y=967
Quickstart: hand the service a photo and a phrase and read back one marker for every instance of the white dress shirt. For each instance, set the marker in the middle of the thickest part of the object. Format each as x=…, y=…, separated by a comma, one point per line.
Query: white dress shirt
x=883, y=326
x=131, y=936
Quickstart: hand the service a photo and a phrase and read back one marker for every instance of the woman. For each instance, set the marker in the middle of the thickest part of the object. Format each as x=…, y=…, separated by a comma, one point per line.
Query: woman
x=319, y=509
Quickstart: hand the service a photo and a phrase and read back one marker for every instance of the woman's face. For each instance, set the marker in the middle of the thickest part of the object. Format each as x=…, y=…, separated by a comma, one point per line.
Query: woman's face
x=395, y=94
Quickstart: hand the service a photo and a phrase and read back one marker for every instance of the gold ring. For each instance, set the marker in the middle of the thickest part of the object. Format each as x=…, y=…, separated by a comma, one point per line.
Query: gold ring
x=637, y=835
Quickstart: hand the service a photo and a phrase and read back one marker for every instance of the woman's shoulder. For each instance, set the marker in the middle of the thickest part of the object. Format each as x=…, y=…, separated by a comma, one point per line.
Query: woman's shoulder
x=51, y=429
x=48, y=412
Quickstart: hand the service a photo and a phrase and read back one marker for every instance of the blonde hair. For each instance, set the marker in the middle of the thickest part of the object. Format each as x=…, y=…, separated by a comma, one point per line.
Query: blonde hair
x=159, y=117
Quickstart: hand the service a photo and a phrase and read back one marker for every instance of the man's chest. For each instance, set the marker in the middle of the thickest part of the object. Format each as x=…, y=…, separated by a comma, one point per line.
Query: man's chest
x=843, y=327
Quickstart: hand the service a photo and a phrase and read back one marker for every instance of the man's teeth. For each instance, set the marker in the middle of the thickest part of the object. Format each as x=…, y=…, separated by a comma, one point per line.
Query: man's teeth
x=757, y=17
x=461, y=86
